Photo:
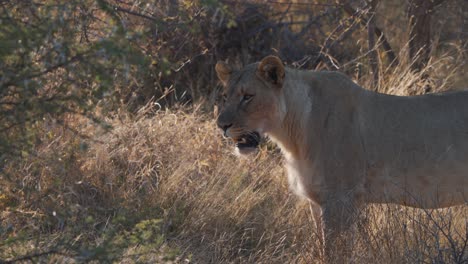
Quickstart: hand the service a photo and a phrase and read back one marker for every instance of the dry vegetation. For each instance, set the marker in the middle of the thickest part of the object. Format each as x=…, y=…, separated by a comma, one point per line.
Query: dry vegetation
x=163, y=186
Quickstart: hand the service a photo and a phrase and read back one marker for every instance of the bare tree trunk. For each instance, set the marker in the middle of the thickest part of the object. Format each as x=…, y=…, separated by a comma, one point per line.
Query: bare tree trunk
x=392, y=58
x=420, y=43
x=373, y=55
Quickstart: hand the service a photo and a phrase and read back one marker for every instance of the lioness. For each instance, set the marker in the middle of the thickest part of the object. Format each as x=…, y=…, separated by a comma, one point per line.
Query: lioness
x=345, y=146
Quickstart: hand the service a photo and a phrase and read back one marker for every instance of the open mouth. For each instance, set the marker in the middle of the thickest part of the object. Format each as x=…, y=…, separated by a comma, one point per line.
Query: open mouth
x=251, y=140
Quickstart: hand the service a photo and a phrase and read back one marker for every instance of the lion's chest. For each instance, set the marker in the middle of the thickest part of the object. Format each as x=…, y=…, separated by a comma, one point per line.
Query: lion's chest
x=303, y=178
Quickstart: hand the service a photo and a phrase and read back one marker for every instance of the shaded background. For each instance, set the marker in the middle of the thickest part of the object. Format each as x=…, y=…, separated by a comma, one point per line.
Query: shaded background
x=91, y=92
x=59, y=56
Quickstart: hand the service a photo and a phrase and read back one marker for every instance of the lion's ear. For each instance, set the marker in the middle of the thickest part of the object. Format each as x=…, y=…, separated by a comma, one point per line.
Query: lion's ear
x=271, y=69
x=224, y=71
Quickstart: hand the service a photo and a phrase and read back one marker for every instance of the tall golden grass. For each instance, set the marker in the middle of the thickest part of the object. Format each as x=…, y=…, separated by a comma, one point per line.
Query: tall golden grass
x=165, y=187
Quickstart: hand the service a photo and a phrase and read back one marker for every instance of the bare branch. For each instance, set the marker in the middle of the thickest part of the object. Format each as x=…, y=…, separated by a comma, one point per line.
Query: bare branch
x=364, y=21
x=33, y=256
x=373, y=56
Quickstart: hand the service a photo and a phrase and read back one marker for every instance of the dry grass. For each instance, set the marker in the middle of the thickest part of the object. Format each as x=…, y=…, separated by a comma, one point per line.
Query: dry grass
x=170, y=174
x=443, y=72
x=163, y=186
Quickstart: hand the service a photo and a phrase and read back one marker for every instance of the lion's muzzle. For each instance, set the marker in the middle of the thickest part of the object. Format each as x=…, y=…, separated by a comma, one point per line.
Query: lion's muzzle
x=250, y=140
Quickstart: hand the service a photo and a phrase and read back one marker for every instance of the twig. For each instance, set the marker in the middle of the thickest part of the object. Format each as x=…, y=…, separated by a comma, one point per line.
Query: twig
x=301, y=3
x=130, y=12
x=48, y=70
x=373, y=55
x=33, y=256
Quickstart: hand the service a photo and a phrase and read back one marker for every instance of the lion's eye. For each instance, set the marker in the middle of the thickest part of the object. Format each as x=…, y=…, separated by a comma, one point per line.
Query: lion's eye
x=247, y=97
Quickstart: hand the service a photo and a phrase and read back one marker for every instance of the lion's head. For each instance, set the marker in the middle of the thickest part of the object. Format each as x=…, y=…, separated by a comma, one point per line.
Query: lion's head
x=252, y=101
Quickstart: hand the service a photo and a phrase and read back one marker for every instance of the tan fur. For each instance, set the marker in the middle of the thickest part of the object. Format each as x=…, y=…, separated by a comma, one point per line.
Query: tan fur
x=346, y=146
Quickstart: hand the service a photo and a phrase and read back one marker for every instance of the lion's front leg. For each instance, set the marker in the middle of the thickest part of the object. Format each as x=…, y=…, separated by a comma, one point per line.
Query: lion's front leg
x=339, y=215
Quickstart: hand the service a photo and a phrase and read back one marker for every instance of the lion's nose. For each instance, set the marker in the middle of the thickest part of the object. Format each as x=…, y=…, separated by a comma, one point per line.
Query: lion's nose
x=224, y=127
